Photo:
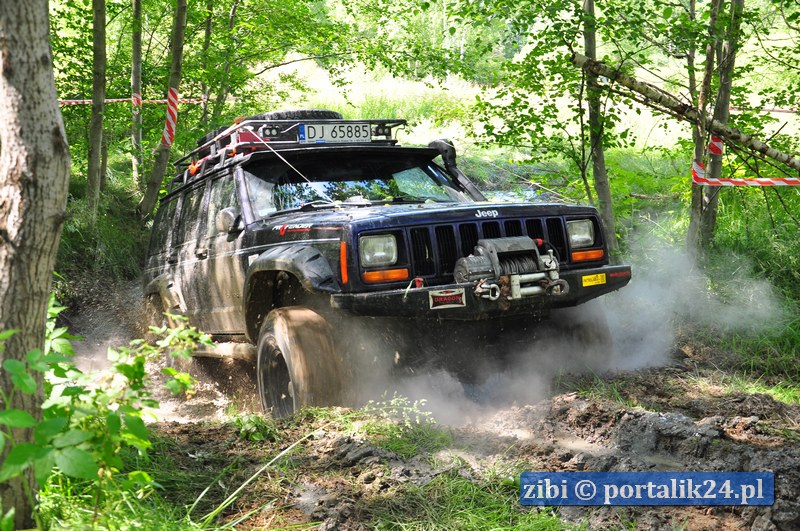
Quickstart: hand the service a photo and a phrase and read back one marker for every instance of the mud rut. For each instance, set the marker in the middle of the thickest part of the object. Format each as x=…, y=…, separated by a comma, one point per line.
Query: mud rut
x=555, y=432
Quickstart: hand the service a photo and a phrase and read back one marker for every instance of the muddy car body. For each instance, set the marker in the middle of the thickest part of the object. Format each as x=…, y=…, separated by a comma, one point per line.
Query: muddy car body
x=283, y=232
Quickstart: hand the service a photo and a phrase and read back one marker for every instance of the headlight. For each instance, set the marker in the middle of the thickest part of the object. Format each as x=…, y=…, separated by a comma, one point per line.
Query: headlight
x=378, y=250
x=581, y=233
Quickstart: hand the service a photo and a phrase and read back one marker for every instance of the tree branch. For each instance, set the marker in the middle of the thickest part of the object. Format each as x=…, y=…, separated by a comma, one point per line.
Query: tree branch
x=660, y=99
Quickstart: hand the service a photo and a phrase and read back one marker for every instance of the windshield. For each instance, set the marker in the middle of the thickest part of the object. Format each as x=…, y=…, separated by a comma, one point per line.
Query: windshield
x=323, y=180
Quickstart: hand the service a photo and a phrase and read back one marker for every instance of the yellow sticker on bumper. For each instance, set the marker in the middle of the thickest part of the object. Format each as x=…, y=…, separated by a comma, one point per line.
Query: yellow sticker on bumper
x=594, y=280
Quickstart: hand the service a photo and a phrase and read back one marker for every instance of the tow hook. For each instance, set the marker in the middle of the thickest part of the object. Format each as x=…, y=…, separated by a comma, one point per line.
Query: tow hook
x=487, y=291
x=557, y=287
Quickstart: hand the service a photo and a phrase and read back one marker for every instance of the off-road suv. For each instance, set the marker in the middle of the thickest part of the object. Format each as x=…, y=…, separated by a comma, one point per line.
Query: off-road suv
x=324, y=250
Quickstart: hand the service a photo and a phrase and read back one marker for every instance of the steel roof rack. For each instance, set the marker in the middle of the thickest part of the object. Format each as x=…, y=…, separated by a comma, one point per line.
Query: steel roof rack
x=251, y=135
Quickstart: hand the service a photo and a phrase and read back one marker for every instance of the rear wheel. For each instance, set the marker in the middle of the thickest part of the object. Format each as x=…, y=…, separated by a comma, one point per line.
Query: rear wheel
x=298, y=364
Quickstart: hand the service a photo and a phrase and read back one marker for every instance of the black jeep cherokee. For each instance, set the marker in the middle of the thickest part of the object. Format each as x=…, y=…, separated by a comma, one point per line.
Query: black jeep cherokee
x=285, y=233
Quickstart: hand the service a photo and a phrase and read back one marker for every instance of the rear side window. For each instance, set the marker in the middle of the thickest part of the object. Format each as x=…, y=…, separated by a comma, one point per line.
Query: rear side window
x=191, y=214
x=223, y=195
x=162, y=228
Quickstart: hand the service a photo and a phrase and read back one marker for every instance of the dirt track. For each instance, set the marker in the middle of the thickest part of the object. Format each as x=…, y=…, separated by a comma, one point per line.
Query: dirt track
x=652, y=419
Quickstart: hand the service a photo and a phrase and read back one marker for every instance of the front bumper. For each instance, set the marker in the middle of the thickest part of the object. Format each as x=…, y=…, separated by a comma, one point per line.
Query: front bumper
x=460, y=301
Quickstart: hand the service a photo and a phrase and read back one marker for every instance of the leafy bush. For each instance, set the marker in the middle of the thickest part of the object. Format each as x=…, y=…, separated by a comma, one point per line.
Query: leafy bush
x=87, y=420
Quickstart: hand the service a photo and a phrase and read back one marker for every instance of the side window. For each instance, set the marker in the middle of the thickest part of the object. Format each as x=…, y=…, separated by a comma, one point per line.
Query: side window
x=190, y=214
x=223, y=195
x=261, y=196
x=162, y=228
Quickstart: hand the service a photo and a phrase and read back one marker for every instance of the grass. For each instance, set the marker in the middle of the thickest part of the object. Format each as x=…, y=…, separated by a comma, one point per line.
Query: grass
x=450, y=501
x=70, y=504
x=404, y=427
x=598, y=387
x=727, y=383
x=114, y=248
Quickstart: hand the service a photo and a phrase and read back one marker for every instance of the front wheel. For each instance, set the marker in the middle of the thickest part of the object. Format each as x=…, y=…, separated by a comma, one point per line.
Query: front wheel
x=298, y=364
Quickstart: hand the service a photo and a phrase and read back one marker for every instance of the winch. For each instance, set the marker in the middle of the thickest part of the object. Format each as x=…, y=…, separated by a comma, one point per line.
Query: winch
x=514, y=263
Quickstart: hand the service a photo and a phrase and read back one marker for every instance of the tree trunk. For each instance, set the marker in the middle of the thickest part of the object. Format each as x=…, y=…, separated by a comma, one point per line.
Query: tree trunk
x=104, y=164
x=148, y=202
x=727, y=58
x=204, y=55
x=136, y=91
x=98, y=106
x=693, y=242
x=601, y=184
x=224, y=90
x=34, y=175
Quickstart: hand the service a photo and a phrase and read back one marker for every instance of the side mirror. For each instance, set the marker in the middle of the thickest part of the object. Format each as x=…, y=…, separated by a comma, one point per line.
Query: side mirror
x=228, y=221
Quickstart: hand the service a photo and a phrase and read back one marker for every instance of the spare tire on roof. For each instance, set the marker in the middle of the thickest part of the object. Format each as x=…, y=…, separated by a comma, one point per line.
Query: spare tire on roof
x=298, y=114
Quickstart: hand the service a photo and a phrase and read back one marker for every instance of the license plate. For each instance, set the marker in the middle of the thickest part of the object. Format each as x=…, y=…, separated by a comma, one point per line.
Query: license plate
x=327, y=133
x=594, y=280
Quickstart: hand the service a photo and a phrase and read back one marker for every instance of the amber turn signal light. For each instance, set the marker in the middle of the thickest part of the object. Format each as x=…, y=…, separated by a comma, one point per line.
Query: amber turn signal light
x=385, y=275
x=586, y=256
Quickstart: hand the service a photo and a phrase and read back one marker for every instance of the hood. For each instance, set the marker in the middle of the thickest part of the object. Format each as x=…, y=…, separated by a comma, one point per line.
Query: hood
x=394, y=215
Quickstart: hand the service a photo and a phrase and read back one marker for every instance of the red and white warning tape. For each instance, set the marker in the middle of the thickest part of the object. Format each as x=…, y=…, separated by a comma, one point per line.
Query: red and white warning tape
x=172, y=117
x=699, y=177
x=136, y=100
x=715, y=147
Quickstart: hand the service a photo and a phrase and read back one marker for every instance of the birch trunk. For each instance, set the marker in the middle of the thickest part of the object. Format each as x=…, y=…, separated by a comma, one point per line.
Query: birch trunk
x=98, y=107
x=727, y=59
x=148, y=202
x=136, y=88
x=597, y=154
x=693, y=241
x=663, y=101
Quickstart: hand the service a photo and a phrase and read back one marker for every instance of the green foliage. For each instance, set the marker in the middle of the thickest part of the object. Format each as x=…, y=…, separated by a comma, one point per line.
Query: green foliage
x=114, y=247
x=85, y=424
x=438, y=107
x=404, y=427
x=255, y=428
x=57, y=339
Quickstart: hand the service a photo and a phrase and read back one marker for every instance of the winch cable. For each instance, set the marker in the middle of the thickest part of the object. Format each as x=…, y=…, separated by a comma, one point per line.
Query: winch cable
x=309, y=181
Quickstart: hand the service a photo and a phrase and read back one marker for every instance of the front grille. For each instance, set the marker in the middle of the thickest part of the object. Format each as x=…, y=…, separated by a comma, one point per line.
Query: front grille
x=435, y=249
x=422, y=252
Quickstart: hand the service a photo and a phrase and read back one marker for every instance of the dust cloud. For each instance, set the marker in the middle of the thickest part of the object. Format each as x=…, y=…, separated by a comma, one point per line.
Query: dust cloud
x=667, y=289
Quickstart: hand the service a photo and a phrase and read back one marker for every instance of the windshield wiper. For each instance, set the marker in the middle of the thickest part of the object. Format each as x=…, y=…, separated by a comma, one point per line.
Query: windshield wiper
x=318, y=204
x=407, y=200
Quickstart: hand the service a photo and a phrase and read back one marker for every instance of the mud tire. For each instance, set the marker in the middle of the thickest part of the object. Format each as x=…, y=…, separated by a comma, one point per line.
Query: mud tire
x=298, y=364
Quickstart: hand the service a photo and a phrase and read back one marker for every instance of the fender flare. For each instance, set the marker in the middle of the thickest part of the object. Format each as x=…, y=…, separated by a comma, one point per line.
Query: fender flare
x=162, y=285
x=305, y=263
